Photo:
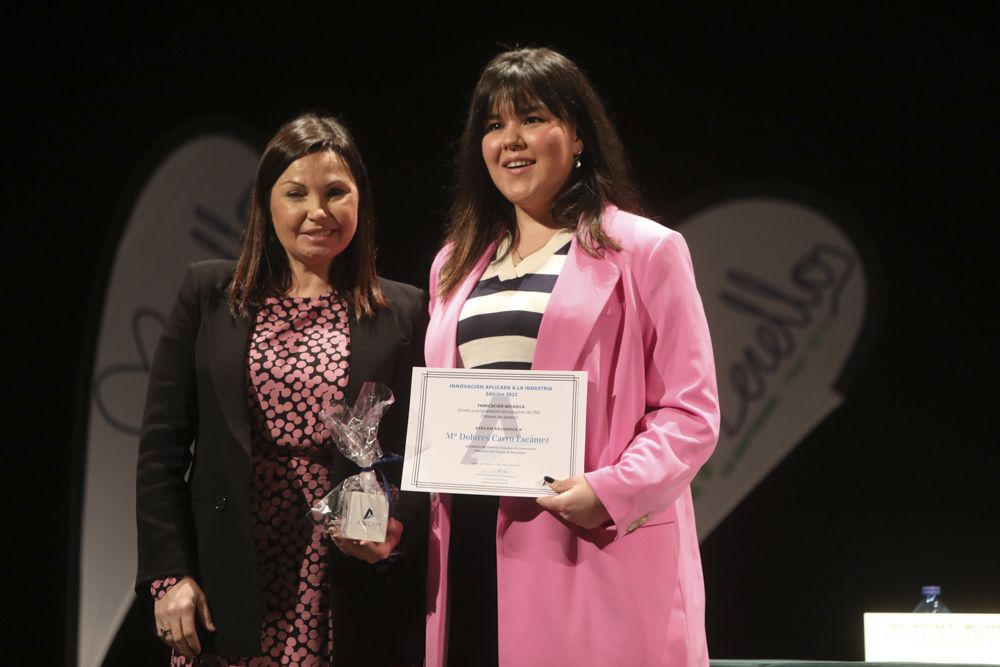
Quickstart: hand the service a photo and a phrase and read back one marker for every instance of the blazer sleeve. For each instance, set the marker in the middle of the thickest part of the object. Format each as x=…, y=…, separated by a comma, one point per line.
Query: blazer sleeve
x=680, y=426
x=169, y=425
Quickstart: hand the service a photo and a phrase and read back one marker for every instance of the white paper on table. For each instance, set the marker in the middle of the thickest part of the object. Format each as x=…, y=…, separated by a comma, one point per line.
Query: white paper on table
x=958, y=639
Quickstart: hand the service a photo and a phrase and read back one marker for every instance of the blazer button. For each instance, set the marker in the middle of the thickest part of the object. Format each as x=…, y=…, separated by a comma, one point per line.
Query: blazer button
x=220, y=504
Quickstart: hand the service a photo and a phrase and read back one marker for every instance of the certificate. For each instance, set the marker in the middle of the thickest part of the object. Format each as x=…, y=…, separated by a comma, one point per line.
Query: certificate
x=494, y=432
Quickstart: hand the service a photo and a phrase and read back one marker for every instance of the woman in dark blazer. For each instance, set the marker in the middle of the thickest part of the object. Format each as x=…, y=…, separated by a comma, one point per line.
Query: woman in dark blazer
x=250, y=353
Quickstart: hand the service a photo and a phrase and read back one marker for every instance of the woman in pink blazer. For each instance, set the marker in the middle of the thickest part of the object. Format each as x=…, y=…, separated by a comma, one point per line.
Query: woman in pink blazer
x=606, y=572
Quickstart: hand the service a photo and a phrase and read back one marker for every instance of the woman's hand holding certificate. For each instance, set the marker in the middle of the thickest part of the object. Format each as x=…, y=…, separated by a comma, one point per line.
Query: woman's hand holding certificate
x=576, y=502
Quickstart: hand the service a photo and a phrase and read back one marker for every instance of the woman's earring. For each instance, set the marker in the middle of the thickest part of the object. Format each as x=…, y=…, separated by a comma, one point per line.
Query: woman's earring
x=577, y=156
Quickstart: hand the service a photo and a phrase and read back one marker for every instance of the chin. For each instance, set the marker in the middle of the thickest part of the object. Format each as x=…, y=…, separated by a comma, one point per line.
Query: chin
x=316, y=259
x=518, y=198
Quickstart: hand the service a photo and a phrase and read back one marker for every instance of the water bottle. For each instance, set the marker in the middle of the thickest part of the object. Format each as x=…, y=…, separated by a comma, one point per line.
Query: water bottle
x=931, y=602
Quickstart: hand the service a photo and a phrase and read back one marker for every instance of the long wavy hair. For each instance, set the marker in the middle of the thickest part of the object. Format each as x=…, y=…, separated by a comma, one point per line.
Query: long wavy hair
x=521, y=79
x=262, y=269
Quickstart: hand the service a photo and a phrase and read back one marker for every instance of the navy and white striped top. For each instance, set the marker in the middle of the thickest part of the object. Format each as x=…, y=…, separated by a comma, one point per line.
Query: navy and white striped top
x=498, y=326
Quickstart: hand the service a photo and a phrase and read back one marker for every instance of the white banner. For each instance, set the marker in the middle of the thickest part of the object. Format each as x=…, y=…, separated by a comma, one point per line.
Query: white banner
x=785, y=293
x=193, y=207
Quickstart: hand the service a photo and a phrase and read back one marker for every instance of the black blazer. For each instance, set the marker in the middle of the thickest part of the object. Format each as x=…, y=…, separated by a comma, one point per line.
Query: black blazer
x=202, y=526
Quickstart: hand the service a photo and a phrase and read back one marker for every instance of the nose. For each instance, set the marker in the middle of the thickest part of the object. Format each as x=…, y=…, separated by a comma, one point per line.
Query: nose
x=511, y=138
x=317, y=209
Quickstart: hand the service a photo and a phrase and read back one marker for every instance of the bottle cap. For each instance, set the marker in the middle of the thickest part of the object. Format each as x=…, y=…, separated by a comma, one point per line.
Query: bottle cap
x=930, y=590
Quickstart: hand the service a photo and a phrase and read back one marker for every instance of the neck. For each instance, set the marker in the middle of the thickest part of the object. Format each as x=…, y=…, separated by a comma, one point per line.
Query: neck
x=533, y=219
x=310, y=280
x=532, y=233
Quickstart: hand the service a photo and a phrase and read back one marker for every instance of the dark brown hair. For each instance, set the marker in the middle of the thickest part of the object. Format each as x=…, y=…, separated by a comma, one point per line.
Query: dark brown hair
x=262, y=269
x=521, y=79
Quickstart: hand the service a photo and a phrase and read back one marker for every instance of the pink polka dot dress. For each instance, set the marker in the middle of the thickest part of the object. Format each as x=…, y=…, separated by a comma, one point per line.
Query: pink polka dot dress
x=297, y=363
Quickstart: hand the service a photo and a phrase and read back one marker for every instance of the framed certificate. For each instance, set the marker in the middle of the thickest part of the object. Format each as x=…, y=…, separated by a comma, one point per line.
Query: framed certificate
x=494, y=432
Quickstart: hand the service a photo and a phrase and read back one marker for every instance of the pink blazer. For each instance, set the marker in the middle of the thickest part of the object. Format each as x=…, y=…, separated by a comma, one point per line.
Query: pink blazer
x=630, y=593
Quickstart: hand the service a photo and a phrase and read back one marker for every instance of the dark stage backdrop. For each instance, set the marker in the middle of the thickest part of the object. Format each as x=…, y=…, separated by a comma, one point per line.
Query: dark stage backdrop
x=888, y=111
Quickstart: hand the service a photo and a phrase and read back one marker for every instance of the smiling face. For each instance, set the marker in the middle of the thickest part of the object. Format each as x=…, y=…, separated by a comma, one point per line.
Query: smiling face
x=529, y=156
x=314, y=209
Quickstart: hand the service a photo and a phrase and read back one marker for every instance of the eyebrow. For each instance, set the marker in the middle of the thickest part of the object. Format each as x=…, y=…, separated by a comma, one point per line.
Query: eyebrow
x=333, y=181
x=524, y=112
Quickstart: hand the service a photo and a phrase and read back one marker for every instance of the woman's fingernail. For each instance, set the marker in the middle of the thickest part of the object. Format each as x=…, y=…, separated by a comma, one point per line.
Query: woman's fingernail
x=548, y=480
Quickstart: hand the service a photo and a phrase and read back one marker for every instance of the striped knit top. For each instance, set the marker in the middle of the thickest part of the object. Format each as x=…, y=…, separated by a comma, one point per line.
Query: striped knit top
x=498, y=326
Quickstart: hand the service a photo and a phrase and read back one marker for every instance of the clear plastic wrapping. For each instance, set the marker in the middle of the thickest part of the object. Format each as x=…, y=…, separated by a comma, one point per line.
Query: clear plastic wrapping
x=360, y=505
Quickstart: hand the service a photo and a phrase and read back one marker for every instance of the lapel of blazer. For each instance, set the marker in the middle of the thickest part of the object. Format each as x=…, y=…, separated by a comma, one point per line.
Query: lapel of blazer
x=363, y=346
x=579, y=296
x=443, y=348
x=231, y=339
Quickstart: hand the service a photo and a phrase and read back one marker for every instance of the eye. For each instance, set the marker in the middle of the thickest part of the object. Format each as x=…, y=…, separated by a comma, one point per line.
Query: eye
x=493, y=125
x=295, y=194
x=337, y=192
x=533, y=119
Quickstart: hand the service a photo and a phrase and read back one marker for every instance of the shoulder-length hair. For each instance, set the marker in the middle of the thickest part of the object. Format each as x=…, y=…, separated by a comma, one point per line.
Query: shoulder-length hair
x=521, y=79
x=262, y=269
